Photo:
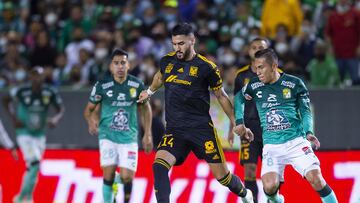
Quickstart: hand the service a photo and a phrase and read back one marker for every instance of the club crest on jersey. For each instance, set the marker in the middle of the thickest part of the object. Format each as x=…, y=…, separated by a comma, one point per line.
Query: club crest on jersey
x=193, y=71
x=46, y=100
x=169, y=67
x=132, y=92
x=286, y=93
x=209, y=147
x=120, y=121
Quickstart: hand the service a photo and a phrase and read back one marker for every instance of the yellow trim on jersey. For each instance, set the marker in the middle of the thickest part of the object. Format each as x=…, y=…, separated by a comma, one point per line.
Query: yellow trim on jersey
x=213, y=65
x=217, y=87
x=171, y=53
x=279, y=70
x=218, y=143
x=244, y=68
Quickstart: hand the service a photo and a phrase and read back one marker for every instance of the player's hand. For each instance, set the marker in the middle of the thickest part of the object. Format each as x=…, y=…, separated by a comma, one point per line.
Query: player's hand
x=14, y=154
x=314, y=141
x=244, y=132
x=147, y=143
x=18, y=123
x=93, y=127
x=52, y=122
x=143, y=97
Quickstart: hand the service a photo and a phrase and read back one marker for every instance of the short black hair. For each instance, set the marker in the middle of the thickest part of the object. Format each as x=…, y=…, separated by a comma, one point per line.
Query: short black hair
x=269, y=55
x=119, y=52
x=182, y=29
x=260, y=39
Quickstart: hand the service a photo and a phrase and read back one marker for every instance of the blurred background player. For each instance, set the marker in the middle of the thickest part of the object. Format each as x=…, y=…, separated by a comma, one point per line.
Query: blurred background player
x=187, y=78
x=283, y=105
x=6, y=141
x=28, y=107
x=250, y=152
x=118, y=125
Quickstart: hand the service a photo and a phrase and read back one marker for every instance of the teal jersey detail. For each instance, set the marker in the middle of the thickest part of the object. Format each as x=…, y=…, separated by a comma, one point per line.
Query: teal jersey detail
x=118, y=120
x=32, y=108
x=283, y=107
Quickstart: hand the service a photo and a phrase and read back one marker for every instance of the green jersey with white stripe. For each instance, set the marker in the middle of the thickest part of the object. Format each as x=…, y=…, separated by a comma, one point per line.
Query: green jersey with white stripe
x=118, y=120
x=283, y=107
x=32, y=108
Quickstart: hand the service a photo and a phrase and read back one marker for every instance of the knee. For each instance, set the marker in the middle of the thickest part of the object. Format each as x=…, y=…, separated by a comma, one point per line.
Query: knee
x=270, y=186
x=126, y=179
x=159, y=164
x=250, y=172
x=316, y=180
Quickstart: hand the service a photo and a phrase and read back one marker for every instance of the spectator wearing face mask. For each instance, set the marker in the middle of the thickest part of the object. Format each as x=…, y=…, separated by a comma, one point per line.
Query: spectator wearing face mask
x=323, y=69
x=343, y=31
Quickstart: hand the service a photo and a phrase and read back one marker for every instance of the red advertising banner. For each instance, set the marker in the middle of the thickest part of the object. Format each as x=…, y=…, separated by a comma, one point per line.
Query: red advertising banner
x=75, y=176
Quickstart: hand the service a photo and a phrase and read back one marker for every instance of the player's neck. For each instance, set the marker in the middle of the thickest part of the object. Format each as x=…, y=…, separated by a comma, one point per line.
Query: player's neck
x=120, y=80
x=191, y=56
x=275, y=78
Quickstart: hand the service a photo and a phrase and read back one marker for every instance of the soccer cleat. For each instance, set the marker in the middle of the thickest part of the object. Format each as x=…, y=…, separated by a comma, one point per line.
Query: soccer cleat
x=248, y=198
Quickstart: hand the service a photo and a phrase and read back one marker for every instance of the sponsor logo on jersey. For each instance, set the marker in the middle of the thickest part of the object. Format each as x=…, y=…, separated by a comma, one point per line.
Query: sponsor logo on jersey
x=121, y=97
x=180, y=70
x=121, y=103
x=107, y=85
x=132, y=155
x=307, y=150
x=193, y=71
x=173, y=78
x=109, y=93
x=120, y=121
x=133, y=84
x=269, y=105
x=169, y=67
x=272, y=98
x=259, y=94
x=209, y=147
x=288, y=84
x=276, y=120
x=132, y=92
x=257, y=85
x=286, y=93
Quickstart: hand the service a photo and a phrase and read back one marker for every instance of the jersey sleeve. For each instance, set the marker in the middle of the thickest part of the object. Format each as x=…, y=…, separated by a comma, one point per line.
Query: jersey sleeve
x=96, y=94
x=303, y=101
x=214, y=78
x=56, y=99
x=239, y=104
x=162, y=65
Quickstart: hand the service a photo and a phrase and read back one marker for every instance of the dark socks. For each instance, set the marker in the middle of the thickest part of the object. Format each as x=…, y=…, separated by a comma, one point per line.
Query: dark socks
x=161, y=180
x=234, y=184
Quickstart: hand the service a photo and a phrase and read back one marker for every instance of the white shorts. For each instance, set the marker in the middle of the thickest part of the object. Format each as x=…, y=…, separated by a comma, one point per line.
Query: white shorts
x=31, y=147
x=297, y=153
x=122, y=155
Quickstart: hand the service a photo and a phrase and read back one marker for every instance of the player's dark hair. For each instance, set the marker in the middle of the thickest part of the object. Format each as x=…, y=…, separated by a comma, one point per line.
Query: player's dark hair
x=182, y=29
x=269, y=55
x=260, y=39
x=119, y=52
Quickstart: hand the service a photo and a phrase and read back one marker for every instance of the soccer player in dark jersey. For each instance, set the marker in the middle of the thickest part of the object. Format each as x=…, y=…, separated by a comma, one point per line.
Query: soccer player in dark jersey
x=250, y=152
x=28, y=107
x=187, y=77
x=283, y=106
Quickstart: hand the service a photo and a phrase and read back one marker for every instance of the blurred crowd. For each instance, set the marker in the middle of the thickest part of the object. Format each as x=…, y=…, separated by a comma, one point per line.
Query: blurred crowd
x=318, y=41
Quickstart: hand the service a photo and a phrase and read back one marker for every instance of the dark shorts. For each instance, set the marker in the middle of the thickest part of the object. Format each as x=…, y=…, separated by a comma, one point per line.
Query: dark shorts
x=250, y=152
x=204, y=143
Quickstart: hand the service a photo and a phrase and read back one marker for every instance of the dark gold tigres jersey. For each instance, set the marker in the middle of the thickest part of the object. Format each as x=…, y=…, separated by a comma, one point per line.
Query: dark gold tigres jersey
x=187, y=85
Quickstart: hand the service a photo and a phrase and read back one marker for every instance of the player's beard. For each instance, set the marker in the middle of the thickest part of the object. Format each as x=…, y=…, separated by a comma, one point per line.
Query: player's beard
x=184, y=55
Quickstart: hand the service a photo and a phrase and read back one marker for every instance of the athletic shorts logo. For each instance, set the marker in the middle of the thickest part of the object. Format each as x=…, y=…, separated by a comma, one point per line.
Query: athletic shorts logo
x=132, y=155
x=307, y=150
x=209, y=147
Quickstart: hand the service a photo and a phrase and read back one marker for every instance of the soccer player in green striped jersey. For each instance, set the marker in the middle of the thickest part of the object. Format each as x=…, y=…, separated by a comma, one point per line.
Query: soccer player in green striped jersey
x=117, y=128
x=283, y=105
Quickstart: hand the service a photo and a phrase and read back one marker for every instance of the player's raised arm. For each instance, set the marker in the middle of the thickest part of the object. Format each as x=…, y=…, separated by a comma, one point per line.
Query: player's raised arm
x=155, y=85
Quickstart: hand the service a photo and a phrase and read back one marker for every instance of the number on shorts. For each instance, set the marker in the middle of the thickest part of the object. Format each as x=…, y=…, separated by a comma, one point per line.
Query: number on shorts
x=269, y=161
x=245, y=154
x=167, y=142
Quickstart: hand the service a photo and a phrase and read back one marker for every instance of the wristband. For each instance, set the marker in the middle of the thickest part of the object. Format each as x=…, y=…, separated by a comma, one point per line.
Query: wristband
x=149, y=92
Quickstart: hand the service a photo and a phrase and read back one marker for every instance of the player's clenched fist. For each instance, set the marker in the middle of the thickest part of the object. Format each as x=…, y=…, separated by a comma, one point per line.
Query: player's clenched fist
x=244, y=132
